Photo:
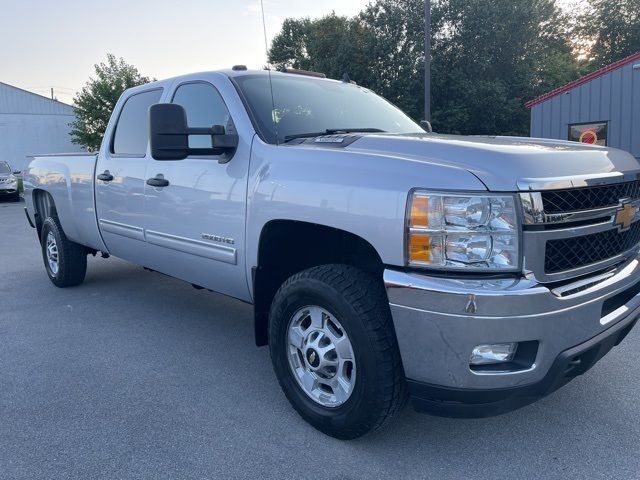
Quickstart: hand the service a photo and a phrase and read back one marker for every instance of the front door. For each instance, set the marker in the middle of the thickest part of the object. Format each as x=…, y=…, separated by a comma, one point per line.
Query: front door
x=120, y=178
x=195, y=225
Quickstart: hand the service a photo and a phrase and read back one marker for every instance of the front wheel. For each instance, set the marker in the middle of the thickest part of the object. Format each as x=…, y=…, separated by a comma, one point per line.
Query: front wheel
x=334, y=350
x=64, y=260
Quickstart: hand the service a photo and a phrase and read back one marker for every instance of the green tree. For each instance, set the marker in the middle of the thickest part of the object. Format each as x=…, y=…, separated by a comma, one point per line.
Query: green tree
x=381, y=48
x=97, y=99
x=613, y=27
x=332, y=45
x=488, y=57
x=394, y=44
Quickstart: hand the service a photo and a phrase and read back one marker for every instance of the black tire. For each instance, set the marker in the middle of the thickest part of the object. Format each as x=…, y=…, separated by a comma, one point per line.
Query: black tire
x=359, y=301
x=16, y=198
x=72, y=258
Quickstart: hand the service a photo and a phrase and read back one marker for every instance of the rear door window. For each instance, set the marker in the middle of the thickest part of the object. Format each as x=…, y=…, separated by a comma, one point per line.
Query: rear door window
x=132, y=130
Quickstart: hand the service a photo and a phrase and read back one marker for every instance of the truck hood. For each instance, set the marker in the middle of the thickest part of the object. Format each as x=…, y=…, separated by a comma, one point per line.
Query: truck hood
x=502, y=163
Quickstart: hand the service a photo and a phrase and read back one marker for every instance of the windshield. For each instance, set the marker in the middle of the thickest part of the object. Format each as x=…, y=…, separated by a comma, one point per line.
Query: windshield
x=4, y=168
x=305, y=105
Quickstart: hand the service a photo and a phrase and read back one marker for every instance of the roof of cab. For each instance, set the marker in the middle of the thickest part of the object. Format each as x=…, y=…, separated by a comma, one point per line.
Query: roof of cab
x=229, y=72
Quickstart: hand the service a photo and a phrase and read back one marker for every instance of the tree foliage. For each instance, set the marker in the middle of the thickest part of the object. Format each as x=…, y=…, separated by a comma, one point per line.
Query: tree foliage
x=394, y=46
x=488, y=57
x=97, y=99
x=381, y=49
x=491, y=57
x=332, y=44
x=613, y=26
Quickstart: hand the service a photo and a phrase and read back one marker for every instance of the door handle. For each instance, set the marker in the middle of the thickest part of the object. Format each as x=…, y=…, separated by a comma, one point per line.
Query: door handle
x=106, y=176
x=158, y=181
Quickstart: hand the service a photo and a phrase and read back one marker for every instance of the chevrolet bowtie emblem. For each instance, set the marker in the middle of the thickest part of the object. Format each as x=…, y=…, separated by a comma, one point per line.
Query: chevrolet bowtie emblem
x=625, y=215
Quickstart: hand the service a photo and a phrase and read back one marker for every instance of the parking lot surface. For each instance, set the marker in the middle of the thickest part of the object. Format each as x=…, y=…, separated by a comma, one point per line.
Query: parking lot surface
x=137, y=375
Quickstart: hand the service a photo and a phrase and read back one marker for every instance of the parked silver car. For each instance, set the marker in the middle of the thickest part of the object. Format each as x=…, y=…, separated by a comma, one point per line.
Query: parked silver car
x=8, y=183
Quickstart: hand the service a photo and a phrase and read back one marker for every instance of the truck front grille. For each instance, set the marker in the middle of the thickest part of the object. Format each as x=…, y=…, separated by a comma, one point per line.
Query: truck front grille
x=575, y=252
x=589, y=198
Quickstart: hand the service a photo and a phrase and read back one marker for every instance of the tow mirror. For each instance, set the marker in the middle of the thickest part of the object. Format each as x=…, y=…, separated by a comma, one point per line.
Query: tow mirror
x=426, y=126
x=169, y=135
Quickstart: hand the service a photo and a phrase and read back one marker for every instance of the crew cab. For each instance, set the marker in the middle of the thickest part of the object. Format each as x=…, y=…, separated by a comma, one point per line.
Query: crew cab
x=472, y=275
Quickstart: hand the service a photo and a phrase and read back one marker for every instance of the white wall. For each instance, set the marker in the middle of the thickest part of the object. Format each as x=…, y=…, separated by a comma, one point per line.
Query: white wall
x=31, y=124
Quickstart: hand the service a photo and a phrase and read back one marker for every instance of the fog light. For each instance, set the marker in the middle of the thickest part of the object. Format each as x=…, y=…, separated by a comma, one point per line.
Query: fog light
x=490, y=354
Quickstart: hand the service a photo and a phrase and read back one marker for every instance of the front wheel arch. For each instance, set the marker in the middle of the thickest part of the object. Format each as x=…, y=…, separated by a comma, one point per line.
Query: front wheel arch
x=281, y=255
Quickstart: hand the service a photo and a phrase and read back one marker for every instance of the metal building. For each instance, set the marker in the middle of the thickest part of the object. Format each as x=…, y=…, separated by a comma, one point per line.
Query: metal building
x=602, y=107
x=32, y=124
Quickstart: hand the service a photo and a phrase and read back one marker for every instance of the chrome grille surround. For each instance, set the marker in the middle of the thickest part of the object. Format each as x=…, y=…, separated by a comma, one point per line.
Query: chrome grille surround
x=594, y=226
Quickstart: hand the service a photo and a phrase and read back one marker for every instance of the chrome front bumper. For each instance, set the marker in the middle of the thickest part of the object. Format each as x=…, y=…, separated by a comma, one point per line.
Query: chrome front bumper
x=438, y=321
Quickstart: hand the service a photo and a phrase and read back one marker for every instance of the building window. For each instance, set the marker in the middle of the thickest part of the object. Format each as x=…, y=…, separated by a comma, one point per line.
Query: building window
x=592, y=133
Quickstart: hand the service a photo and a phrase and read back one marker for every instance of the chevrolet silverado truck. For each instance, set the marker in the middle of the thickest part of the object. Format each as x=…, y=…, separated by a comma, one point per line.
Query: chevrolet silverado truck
x=472, y=275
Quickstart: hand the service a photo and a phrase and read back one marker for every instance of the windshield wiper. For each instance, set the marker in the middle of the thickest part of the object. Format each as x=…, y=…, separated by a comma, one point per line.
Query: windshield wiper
x=332, y=131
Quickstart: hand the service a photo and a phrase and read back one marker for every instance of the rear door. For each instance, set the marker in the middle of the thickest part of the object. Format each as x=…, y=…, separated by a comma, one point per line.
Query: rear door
x=195, y=226
x=120, y=178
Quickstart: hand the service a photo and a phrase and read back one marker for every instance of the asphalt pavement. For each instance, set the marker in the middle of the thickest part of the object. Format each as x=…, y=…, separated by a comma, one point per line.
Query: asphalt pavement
x=134, y=375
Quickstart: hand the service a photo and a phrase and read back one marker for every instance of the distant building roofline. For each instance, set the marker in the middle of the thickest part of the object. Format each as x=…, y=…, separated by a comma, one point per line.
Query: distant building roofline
x=36, y=94
x=582, y=80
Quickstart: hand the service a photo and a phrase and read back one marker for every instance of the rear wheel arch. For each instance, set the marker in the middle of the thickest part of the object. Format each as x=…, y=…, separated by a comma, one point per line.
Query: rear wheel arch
x=44, y=207
x=287, y=247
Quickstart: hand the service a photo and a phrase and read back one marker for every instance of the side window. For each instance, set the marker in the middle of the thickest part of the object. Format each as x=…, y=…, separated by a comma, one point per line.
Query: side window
x=132, y=130
x=205, y=108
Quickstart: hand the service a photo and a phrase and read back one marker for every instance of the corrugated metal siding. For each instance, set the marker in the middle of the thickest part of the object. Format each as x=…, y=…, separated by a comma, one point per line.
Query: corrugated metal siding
x=613, y=97
x=16, y=100
x=31, y=124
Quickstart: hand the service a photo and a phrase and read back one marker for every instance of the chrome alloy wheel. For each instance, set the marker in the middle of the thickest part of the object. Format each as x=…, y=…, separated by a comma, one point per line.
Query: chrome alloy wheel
x=52, y=253
x=321, y=356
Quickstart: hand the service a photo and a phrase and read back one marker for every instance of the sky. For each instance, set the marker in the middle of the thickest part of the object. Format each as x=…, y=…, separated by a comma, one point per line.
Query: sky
x=46, y=44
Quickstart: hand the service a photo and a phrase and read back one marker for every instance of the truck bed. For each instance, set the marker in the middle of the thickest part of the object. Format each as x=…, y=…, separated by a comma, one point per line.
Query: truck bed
x=68, y=178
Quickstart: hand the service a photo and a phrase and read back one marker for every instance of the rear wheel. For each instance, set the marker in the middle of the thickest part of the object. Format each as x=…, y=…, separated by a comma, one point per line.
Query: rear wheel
x=64, y=260
x=334, y=350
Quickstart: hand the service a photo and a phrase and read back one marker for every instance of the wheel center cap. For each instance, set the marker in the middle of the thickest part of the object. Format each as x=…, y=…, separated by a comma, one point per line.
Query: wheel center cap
x=313, y=358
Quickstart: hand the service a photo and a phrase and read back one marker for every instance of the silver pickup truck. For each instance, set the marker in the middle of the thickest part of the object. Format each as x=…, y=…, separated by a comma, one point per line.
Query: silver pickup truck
x=473, y=275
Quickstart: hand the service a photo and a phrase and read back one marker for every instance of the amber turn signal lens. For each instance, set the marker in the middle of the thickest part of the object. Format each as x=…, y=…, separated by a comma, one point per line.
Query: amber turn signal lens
x=419, y=248
x=419, y=209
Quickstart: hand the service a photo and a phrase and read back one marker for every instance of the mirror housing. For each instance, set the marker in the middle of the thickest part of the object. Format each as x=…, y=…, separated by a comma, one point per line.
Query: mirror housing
x=169, y=135
x=426, y=126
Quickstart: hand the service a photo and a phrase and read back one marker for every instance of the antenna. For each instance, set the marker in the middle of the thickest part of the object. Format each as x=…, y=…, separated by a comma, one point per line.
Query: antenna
x=266, y=46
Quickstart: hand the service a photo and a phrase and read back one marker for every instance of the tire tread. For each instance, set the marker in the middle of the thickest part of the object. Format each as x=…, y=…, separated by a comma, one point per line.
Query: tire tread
x=72, y=256
x=366, y=295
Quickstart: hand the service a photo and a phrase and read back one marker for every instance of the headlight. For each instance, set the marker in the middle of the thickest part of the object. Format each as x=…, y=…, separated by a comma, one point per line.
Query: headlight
x=463, y=231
